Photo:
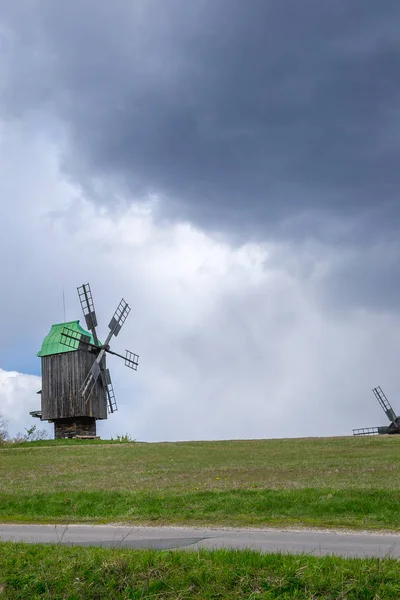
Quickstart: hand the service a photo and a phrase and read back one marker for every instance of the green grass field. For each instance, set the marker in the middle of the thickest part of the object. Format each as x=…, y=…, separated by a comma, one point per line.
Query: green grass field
x=325, y=482
x=59, y=572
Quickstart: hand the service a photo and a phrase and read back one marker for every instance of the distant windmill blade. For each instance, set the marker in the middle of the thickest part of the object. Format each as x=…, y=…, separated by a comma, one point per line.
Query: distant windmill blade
x=366, y=431
x=119, y=317
x=393, y=428
x=75, y=339
x=385, y=429
x=87, y=304
x=385, y=404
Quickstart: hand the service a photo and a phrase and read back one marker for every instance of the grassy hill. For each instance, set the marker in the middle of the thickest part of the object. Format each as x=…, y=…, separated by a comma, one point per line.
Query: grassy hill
x=326, y=482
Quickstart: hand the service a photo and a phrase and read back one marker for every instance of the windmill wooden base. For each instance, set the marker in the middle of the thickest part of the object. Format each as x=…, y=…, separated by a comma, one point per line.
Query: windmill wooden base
x=75, y=427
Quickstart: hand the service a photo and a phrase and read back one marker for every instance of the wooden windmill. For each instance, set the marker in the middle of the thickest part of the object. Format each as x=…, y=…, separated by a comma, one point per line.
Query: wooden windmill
x=76, y=383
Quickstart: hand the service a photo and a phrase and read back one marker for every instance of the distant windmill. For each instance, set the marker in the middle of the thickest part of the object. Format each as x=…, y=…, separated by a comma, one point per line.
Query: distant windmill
x=394, y=426
x=76, y=384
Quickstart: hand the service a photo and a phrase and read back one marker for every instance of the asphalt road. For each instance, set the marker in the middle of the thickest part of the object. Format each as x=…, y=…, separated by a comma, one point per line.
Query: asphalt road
x=265, y=540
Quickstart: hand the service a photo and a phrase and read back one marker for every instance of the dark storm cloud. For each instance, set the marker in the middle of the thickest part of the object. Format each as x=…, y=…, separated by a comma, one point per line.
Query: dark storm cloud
x=367, y=278
x=242, y=113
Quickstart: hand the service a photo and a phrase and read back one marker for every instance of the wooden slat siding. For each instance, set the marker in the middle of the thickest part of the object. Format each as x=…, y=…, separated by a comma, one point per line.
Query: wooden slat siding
x=62, y=376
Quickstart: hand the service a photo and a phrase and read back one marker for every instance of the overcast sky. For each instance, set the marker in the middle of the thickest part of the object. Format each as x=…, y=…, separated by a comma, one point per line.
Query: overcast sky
x=229, y=167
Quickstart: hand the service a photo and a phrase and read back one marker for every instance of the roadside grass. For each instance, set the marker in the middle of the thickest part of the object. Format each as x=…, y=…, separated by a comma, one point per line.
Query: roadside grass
x=357, y=509
x=58, y=572
x=321, y=482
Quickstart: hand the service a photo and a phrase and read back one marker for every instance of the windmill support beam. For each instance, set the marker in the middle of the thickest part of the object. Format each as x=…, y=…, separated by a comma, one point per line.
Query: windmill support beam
x=74, y=427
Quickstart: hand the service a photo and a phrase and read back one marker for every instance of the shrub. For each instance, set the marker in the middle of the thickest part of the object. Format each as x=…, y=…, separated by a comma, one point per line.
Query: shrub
x=3, y=430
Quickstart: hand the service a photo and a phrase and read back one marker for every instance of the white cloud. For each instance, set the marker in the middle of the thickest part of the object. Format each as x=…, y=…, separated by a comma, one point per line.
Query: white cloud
x=17, y=398
x=233, y=342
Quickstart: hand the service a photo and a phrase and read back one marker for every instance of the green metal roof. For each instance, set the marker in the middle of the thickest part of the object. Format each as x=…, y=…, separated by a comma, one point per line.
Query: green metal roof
x=52, y=342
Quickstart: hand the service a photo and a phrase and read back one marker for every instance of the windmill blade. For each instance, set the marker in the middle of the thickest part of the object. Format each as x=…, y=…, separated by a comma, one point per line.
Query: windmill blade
x=384, y=402
x=366, y=431
x=95, y=370
x=131, y=360
x=75, y=339
x=119, y=317
x=108, y=387
x=90, y=380
x=87, y=304
x=384, y=429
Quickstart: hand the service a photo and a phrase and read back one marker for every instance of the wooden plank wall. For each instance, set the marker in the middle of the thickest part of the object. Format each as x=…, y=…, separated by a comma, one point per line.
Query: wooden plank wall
x=62, y=376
